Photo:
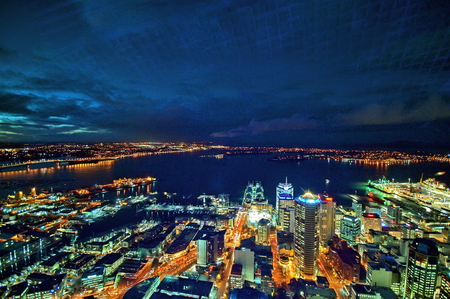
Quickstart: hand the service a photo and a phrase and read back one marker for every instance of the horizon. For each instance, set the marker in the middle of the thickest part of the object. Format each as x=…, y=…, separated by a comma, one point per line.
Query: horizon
x=235, y=72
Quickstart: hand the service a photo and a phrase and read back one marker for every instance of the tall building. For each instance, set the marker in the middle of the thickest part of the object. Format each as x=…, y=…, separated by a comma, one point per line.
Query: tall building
x=263, y=236
x=350, y=229
x=210, y=245
x=236, y=279
x=246, y=257
x=357, y=208
x=421, y=269
x=370, y=221
x=326, y=219
x=445, y=285
x=285, y=206
x=306, y=235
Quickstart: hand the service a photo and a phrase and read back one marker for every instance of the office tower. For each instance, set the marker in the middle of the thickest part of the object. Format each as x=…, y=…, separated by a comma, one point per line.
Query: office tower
x=445, y=286
x=421, y=269
x=326, y=219
x=357, y=208
x=285, y=206
x=207, y=247
x=236, y=278
x=246, y=258
x=370, y=221
x=306, y=239
x=410, y=230
x=395, y=213
x=350, y=229
x=263, y=236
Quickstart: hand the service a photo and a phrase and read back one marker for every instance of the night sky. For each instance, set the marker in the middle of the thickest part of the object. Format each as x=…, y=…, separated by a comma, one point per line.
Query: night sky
x=310, y=72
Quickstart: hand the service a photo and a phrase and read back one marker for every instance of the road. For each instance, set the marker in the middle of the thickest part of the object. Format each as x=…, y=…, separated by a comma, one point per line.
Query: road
x=232, y=243
x=328, y=272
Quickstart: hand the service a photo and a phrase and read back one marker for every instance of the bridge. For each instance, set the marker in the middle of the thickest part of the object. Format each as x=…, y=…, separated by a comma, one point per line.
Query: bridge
x=54, y=162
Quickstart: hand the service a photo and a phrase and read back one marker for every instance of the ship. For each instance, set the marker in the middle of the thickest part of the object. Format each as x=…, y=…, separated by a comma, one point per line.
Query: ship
x=371, y=197
x=254, y=194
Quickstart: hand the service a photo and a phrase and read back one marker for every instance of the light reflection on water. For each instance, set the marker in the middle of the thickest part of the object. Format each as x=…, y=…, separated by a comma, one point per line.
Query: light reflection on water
x=190, y=175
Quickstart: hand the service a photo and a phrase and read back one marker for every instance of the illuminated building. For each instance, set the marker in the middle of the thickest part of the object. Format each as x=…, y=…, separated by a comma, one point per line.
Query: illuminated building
x=306, y=239
x=254, y=194
x=93, y=278
x=421, y=269
x=267, y=285
x=263, y=236
x=411, y=231
x=179, y=287
x=41, y=285
x=110, y=262
x=236, y=278
x=445, y=286
x=246, y=258
x=382, y=275
x=345, y=260
x=395, y=213
x=326, y=220
x=357, y=208
x=350, y=229
x=285, y=206
x=370, y=221
x=207, y=248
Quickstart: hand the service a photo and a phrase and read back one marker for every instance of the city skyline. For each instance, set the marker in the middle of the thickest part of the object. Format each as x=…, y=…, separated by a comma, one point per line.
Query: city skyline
x=232, y=72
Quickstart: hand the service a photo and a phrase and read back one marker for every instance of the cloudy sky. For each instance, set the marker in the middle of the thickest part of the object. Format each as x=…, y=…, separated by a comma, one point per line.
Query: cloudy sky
x=239, y=71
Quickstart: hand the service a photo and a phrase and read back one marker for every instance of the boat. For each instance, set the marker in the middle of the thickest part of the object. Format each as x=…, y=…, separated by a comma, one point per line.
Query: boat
x=373, y=198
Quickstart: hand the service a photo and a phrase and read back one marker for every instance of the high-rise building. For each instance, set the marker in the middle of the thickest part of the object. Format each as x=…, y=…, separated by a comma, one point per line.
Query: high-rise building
x=236, y=278
x=306, y=235
x=350, y=229
x=445, y=285
x=357, y=208
x=285, y=206
x=263, y=236
x=395, y=213
x=326, y=219
x=246, y=257
x=370, y=221
x=421, y=269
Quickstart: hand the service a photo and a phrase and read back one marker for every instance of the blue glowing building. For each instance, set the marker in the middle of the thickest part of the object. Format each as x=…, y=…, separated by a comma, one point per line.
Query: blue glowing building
x=306, y=235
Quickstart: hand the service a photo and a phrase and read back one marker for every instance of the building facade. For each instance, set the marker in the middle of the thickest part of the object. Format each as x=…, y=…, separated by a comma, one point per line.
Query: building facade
x=306, y=235
x=350, y=229
x=285, y=206
x=421, y=269
x=326, y=219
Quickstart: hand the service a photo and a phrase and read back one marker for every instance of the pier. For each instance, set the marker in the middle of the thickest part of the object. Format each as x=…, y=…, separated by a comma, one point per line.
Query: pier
x=51, y=163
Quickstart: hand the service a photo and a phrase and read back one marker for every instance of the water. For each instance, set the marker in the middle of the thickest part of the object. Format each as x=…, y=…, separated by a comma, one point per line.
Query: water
x=190, y=175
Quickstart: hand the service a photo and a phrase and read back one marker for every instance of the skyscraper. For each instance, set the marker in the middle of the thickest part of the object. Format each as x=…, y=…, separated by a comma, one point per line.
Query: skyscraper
x=421, y=269
x=350, y=229
x=246, y=257
x=306, y=237
x=326, y=219
x=285, y=205
x=263, y=229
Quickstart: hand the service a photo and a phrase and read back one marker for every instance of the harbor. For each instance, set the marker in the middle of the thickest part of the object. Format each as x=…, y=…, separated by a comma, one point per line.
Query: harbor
x=425, y=196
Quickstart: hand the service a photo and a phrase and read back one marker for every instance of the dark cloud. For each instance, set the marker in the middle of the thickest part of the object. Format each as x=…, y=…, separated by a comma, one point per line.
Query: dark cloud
x=239, y=70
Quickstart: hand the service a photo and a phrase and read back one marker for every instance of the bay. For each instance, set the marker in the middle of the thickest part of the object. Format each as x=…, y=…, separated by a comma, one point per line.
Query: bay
x=190, y=175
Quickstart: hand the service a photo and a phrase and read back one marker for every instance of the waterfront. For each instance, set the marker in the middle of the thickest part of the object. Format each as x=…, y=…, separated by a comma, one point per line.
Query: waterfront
x=190, y=175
